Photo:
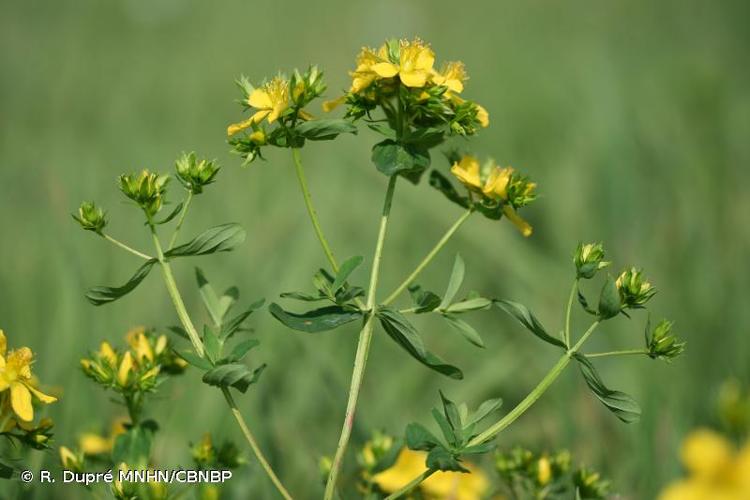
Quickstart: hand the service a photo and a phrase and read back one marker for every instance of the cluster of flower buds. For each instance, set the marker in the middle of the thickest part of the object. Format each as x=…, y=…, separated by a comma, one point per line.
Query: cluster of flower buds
x=91, y=217
x=500, y=190
x=375, y=450
x=136, y=369
x=194, y=174
x=405, y=69
x=540, y=470
x=207, y=456
x=146, y=189
x=589, y=484
x=634, y=290
x=281, y=100
x=589, y=259
x=661, y=343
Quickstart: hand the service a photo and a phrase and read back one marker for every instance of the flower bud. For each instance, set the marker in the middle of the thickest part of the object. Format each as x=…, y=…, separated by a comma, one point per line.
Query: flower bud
x=91, y=217
x=661, y=343
x=204, y=452
x=634, y=290
x=71, y=461
x=324, y=467
x=147, y=189
x=589, y=259
x=544, y=471
x=590, y=484
x=194, y=174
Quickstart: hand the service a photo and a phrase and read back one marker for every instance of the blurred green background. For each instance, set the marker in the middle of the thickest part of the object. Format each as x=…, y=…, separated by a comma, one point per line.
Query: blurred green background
x=633, y=117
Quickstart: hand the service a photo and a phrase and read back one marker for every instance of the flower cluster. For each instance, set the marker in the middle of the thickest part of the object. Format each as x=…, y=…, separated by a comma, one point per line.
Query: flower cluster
x=136, y=369
x=194, y=173
x=634, y=290
x=146, y=189
x=716, y=470
x=91, y=217
x=661, y=343
x=589, y=259
x=428, y=97
x=500, y=190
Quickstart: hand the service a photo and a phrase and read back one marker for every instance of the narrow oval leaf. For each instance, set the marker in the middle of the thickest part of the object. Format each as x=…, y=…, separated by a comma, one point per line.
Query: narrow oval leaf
x=240, y=350
x=527, y=319
x=174, y=213
x=325, y=129
x=442, y=184
x=465, y=329
x=485, y=409
x=345, y=270
x=404, y=334
x=221, y=238
x=105, y=294
x=441, y=459
x=317, y=320
x=232, y=326
x=469, y=305
x=425, y=300
x=233, y=375
x=419, y=438
x=622, y=405
x=209, y=297
x=454, y=283
x=195, y=360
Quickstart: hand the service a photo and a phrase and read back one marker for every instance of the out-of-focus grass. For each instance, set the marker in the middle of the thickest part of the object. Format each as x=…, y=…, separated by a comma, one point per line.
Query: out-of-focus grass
x=633, y=117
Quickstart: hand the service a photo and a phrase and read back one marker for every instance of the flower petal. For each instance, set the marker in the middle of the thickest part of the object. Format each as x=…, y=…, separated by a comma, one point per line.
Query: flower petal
x=329, y=106
x=385, y=69
x=20, y=401
x=260, y=99
x=41, y=396
x=3, y=344
x=517, y=221
x=414, y=78
x=239, y=127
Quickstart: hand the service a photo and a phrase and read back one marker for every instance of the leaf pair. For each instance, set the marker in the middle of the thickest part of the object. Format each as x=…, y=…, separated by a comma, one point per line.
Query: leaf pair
x=221, y=238
x=458, y=427
x=622, y=405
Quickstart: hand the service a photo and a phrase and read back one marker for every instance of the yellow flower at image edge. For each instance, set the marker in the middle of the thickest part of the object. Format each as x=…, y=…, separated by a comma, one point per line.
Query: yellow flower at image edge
x=414, y=67
x=15, y=375
x=716, y=471
x=439, y=486
x=270, y=100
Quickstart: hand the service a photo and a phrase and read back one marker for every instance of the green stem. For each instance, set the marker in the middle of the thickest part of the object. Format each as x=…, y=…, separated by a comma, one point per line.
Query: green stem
x=567, y=312
x=617, y=353
x=254, y=445
x=126, y=247
x=428, y=258
x=516, y=412
x=311, y=210
x=412, y=484
x=363, y=347
x=174, y=293
x=177, y=228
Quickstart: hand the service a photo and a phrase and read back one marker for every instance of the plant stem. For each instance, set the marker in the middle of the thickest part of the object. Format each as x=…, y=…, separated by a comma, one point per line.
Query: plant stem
x=174, y=293
x=311, y=210
x=567, y=312
x=519, y=409
x=254, y=445
x=412, y=484
x=363, y=347
x=126, y=247
x=617, y=353
x=177, y=228
x=428, y=258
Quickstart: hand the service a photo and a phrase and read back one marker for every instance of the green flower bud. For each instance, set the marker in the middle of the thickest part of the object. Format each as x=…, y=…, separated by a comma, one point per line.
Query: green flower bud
x=590, y=484
x=375, y=450
x=91, y=217
x=520, y=190
x=589, y=259
x=634, y=290
x=324, y=466
x=147, y=189
x=661, y=343
x=194, y=174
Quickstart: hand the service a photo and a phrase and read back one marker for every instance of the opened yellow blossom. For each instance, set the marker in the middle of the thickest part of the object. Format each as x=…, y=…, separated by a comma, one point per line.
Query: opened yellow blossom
x=452, y=76
x=15, y=375
x=414, y=66
x=715, y=470
x=270, y=100
x=364, y=74
x=439, y=486
x=140, y=344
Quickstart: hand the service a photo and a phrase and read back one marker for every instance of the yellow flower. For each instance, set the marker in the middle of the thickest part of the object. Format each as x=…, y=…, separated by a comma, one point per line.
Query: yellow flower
x=95, y=444
x=70, y=460
x=483, y=117
x=439, y=486
x=270, y=100
x=329, y=106
x=545, y=471
x=140, y=344
x=108, y=354
x=706, y=453
x=126, y=366
x=414, y=67
x=15, y=375
x=452, y=76
x=364, y=74
x=467, y=171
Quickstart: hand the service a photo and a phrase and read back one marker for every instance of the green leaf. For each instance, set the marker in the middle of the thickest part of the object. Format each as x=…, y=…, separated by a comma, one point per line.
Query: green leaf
x=382, y=129
x=623, y=406
x=527, y=319
x=426, y=138
x=441, y=459
x=325, y=129
x=179, y=331
x=318, y=320
x=609, y=299
x=240, y=350
x=345, y=270
x=195, y=360
x=233, y=325
x=442, y=184
x=404, y=334
x=134, y=446
x=209, y=297
x=419, y=438
x=6, y=471
x=174, y=213
x=479, y=449
x=585, y=303
x=474, y=304
x=426, y=301
x=389, y=458
x=302, y=296
x=100, y=295
x=464, y=329
x=221, y=238
x=234, y=375
x=454, y=283
x=212, y=343
x=392, y=158
x=450, y=410
x=486, y=408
